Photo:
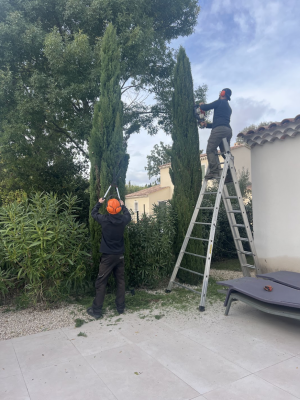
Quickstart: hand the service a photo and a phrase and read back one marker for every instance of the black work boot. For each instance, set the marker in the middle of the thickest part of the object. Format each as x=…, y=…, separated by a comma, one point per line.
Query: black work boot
x=93, y=314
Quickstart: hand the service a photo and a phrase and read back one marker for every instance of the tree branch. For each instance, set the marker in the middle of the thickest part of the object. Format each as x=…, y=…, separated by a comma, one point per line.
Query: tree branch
x=65, y=132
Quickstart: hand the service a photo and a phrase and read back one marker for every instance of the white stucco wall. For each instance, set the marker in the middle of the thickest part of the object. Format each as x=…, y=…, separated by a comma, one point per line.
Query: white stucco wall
x=242, y=159
x=276, y=204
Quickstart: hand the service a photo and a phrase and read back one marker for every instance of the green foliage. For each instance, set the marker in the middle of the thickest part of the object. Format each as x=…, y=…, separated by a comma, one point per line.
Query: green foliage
x=185, y=165
x=160, y=154
x=79, y=322
x=10, y=197
x=43, y=247
x=50, y=79
x=82, y=334
x=107, y=153
x=151, y=247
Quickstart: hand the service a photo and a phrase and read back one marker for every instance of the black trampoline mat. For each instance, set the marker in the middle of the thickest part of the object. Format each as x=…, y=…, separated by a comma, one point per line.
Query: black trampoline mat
x=287, y=278
x=281, y=295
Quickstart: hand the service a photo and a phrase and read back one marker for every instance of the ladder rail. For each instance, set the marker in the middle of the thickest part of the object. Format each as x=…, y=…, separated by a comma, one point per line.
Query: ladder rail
x=212, y=233
x=188, y=234
x=235, y=232
x=245, y=217
x=221, y=193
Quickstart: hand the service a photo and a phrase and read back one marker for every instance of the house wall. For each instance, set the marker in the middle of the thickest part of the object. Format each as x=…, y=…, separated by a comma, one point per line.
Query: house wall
x=142, y=201
x=242, y=159
x=276, y=209
x=161, y=195
x=148, y=201
x=165, y=179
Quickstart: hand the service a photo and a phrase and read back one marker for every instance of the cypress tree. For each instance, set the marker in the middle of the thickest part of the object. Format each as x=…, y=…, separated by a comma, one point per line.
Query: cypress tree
x=185, y=169
x=106, y=147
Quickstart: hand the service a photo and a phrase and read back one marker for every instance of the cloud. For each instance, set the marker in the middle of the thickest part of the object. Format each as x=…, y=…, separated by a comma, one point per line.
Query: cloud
x=248, y=111
x=250, y=46
x=139, y=146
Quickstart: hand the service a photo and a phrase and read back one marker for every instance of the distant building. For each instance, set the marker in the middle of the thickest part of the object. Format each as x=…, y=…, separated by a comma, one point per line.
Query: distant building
x=143, y=200
x=276, y=193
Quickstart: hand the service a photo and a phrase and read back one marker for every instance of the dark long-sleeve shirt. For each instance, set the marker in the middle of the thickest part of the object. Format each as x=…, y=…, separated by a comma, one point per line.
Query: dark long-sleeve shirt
x=113, y=227
x=222, y=113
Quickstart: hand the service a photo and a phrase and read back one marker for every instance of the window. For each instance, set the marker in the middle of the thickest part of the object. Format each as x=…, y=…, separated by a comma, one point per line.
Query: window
x=161, y=203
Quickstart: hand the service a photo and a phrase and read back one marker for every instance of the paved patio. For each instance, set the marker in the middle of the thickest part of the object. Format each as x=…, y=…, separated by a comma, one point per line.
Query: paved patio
x=247, y=355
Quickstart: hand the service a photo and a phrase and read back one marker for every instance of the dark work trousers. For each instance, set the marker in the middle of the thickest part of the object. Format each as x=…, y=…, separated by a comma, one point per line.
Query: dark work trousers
x=215, y=140
x=110, y=263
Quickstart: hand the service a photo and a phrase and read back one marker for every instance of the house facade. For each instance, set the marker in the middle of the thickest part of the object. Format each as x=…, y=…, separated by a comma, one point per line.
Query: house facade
x=275, y=166
x=143, y=200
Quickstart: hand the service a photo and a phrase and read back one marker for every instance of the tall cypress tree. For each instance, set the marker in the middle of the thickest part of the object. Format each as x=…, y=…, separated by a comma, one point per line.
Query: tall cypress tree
x=106, y=148
x=185, y=165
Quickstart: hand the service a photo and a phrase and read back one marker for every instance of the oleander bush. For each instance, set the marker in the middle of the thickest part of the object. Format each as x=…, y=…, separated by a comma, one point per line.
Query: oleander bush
x=43, y=248
x=151, y=255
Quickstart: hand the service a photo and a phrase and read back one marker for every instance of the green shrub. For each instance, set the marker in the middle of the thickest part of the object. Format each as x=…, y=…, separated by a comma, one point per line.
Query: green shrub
x=151, y=247
x=43, y=248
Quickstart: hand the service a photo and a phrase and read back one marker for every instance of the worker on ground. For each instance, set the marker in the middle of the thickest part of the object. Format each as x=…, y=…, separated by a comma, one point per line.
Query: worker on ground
x=112, y=249
x=220, y=129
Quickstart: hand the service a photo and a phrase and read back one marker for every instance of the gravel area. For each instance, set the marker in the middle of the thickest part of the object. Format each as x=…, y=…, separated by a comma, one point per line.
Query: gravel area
x=29, y=321
x=225, y=275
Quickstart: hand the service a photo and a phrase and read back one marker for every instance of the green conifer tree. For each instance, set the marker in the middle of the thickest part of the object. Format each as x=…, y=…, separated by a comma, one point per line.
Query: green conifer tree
x=106, y=147
x=185, y=169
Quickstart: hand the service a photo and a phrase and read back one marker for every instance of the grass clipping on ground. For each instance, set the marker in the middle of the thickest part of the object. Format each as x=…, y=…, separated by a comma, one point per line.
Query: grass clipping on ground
x=179, y=299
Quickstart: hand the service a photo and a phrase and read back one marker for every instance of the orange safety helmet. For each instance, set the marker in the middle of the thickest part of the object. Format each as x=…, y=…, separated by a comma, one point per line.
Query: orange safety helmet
x=113, y=206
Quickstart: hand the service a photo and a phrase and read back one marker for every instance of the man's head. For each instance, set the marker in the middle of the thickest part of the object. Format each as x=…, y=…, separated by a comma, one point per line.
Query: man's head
x=226, y=93
x=113, y=206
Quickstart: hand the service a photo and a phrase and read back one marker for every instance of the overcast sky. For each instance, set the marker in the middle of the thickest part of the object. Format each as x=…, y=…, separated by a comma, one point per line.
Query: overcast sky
x=251, y=47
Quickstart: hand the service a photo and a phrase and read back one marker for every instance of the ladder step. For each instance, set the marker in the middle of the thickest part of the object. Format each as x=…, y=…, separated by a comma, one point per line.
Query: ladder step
x=249, y=253
x=203, y=223
x=205, y=208
x=242, y=239
x=235, y=212
x=205, y=240
x=189, y=270
x=192, y=254
x=239, y=225
x=231, y=197
x=186, y=287
x=249, y=266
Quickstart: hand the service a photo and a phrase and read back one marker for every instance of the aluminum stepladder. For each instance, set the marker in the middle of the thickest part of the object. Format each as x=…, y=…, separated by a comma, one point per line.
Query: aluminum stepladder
x=222, y=192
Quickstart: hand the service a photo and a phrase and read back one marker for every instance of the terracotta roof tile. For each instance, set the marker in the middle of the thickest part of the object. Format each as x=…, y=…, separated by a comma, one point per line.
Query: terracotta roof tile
x=288, y=127
x=145, y=192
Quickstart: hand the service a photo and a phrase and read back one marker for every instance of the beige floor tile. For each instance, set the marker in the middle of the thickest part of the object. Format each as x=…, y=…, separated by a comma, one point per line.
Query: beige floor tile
x=38, y=351
x=196, y=365
x=132, y=374
x=8, y=361
x=72, y=380
x=239, y=347
x=13, y=388
x=285, y=375
x=249, y=388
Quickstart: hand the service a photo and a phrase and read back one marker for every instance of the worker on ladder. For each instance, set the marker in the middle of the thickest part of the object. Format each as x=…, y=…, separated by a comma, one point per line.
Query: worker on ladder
x=221, y=129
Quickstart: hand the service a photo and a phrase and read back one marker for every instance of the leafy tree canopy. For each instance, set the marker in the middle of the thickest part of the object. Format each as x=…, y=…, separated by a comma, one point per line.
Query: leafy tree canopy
x=160, y=154
x=50, y=77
